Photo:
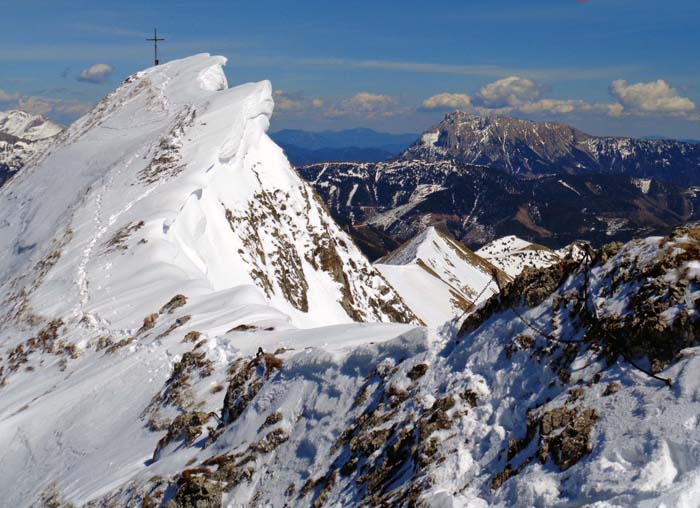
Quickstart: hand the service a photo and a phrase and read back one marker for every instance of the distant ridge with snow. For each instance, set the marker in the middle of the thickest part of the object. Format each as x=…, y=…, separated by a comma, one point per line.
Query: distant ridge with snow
x=23, y=137
x=438, y=278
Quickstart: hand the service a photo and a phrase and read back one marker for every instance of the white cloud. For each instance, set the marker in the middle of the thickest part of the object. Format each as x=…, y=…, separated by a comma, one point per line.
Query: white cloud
x=365, y=104
x=63, y=110
x=98, y=73
x=655, y=97
x=447, y=102
x=283, y=102
x=370, y=102
x=509, y=92
x=294, y=102
x=7, y=96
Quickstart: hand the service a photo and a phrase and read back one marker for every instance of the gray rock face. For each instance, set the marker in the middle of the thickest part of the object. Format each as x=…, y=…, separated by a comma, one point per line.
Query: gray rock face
x=526, y=148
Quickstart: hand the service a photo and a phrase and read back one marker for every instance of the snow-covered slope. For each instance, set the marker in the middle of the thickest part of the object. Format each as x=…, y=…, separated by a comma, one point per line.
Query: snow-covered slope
x=171, y=185
x=438, y=278
x=536, y=403
x=512, y=255
x=22, y=138
x=154, y=238
x=503, y=417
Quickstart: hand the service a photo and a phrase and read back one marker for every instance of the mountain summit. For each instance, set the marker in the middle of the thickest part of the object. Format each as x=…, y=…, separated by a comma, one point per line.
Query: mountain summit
x=138, y=256
x=524, y=147
x=23, y=137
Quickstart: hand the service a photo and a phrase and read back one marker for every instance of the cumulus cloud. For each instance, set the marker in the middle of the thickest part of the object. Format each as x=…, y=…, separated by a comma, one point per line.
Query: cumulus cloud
x=285, y=102
x=290, y=103
x=655, y=97
x=7, y=96
x=447, y=102
x=98, y=73
x=370, y=102
x=512, y=91
x=62, y=110
x=367, y=104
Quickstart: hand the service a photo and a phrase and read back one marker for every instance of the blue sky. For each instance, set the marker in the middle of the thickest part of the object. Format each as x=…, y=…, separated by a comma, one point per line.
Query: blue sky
x=622, y=67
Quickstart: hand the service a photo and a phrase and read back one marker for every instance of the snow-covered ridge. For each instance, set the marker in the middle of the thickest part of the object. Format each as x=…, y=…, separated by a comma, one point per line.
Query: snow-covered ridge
x=512, y=255
x=26, y=126
x=171, y=182
x=163, y=233
x=439, y=278
x=23, y=138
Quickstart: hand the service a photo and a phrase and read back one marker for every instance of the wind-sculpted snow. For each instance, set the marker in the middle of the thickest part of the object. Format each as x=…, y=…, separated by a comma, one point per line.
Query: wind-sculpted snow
x=152, y=227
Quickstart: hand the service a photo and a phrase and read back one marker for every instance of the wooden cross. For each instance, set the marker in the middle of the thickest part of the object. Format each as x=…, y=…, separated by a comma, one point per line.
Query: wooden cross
x=155, y=40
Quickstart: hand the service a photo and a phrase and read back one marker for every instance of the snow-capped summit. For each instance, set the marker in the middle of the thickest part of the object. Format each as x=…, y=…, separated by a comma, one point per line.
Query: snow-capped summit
x=439, y=278
x=161, y=234
x=27, y=126
x=23, y=137
x=512, y=254
x=171, y=182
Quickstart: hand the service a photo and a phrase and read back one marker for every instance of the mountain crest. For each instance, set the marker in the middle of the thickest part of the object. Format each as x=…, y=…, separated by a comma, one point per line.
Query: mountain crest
x=525, y=147
x=438, y=277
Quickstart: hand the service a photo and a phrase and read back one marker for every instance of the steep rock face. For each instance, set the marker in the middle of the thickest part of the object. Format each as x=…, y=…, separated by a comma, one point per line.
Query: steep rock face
x=22, y=138
x=523, y=147
x=398, y=199
x=439, y=278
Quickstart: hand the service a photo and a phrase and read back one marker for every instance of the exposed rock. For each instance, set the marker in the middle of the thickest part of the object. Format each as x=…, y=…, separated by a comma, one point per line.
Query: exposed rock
x=196, y=491
x=417, y=371
x=175, y=303
x=187, y=426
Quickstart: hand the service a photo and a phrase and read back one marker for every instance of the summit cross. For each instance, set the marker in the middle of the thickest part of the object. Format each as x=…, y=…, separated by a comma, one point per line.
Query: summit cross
x=155, y=40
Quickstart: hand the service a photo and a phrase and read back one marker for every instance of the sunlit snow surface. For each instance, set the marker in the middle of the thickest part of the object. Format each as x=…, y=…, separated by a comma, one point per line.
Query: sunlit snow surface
x=129, y=209
x=439, y=279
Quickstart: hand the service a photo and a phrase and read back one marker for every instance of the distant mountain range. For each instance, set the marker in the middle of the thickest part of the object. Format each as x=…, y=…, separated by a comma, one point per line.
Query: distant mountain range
x=526, y=148
x=356, y=145
x=397, y=199
x=484, y=178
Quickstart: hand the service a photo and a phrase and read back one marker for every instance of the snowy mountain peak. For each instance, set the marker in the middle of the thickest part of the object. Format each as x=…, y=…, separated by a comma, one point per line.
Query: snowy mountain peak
x=160, y=239
x=27, y=126
x=512, y=254
x=438, y=277
x=23, y=137
x=171, y=185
